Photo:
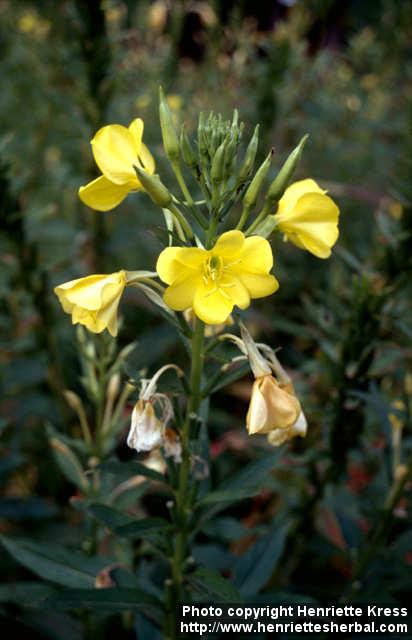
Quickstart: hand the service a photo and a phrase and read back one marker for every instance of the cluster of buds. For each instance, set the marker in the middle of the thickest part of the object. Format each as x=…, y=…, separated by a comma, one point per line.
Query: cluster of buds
x=274, y=408
x=151, y=415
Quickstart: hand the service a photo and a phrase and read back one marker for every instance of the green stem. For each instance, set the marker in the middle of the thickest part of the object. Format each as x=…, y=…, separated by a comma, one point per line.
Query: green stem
x=262, y=215
x=183, y=506
x=181, y=219
x=182, y=184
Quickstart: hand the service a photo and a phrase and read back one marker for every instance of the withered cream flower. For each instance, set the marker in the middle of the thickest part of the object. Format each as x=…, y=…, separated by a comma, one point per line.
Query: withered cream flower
x=271, y=407
x=151, y=415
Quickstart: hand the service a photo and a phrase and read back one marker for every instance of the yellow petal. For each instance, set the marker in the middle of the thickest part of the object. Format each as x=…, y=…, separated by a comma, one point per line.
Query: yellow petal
x=174, y=262
x=179, y=296
x=229, y=244
x=235, y=288
x=211, y=305
x=256, y=256
x=294, y=192
x=313, y=223
x=136, y=129
x=103, y=195
x=146, y=159
x=259, y=285
x=115, y=152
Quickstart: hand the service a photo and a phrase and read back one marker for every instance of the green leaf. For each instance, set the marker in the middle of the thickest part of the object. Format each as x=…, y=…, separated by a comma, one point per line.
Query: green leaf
x=245, y=484
x=56, y=564
x=107, y=600
x=27, y=593
x=148, y=529
x=69, y=464
x=210, y=585
x=108, y=516
x=253, y=570
x=129, y=469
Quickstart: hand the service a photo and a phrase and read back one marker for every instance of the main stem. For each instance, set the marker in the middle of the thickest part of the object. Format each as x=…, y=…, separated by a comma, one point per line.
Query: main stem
x=183, y=506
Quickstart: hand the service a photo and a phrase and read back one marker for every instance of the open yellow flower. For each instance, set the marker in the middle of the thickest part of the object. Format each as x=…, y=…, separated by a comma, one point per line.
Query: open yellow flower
x=116, y=150
x=308, y=218
x=213, y=281
x=93, y=301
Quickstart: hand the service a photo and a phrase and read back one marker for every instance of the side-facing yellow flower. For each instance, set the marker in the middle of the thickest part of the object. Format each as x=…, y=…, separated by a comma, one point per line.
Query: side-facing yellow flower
x=213, y=281
x=308, y=218
x=93, y=301
x=116, y=150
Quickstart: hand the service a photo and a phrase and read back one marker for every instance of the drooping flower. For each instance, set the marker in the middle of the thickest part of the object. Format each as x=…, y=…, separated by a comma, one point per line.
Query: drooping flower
x=146, y=430
x=272, y=406
x=151, y=416
x=308, y=218
x=93, y=301
x=213, y=281
x=116, y=150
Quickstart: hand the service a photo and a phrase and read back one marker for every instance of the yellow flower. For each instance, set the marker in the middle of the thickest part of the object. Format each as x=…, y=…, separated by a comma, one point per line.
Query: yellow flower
x=279, y=436
x=213, y=281
x=308, y=217
x=116, y=149
x=272, y=406
x=93, y=301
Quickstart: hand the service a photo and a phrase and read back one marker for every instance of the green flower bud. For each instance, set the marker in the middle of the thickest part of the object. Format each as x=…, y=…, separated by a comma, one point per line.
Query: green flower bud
x=284, y=176
x=253, y=189
x=217, y=169
x=169, y=135
x=188, y=154
x=250, y=155
x=154, y=187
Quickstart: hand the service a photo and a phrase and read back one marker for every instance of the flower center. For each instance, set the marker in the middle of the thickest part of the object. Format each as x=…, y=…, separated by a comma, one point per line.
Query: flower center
x=213, y=269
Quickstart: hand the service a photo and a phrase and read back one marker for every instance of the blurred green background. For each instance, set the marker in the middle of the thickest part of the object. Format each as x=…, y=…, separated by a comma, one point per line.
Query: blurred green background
x=340, y=71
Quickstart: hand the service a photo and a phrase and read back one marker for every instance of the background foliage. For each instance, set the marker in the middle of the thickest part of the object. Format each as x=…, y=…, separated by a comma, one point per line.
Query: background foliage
x=330, y=518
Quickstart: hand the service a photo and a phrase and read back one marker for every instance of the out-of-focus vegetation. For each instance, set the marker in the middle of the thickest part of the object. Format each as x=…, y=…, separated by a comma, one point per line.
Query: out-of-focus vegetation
x=341, y=498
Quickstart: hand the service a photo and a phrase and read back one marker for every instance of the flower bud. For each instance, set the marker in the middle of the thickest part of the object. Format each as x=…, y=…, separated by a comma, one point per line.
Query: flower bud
x=253, y=189
x=169, y=135
x=271, y=407
x=217, y=168
x=249, y=159
x=155, y=188
x=188, y=154
x=284, y=176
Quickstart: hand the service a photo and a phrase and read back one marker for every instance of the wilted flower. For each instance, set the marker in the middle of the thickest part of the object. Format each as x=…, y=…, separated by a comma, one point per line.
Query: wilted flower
x=308, y=218
x=146, y=430
x=93, y=301
x=151, y=415
x=117, y=150
x=213, y=281
x=272, y=406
